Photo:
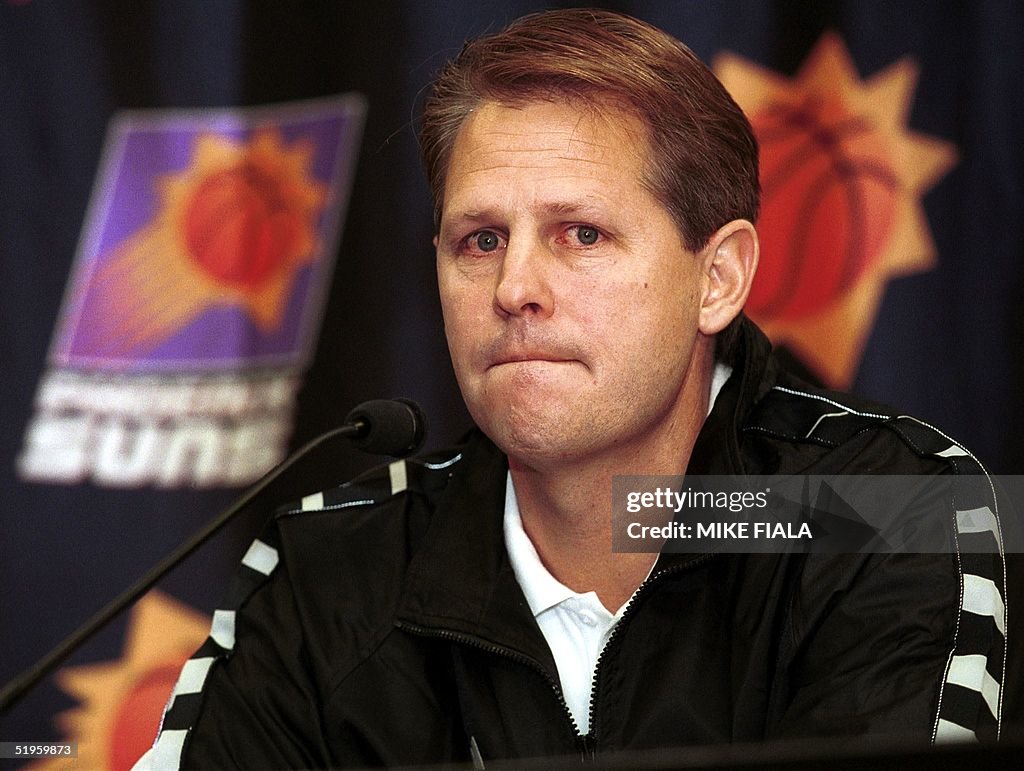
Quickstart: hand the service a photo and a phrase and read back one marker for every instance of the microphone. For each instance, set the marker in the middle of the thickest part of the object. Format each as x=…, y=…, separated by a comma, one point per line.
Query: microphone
x=389, y=427
x=394, y=427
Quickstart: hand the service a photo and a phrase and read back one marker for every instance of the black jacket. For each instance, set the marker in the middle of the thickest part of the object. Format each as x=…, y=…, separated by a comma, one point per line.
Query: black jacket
x=381, y=622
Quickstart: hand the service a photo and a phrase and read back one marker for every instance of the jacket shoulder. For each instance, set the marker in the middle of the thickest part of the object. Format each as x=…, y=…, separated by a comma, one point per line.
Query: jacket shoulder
x=313, y=593
x=798, y=429
x=821, y=422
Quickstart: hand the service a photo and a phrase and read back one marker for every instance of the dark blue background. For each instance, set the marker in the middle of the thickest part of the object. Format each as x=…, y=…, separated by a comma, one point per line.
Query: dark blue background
x=946, y=345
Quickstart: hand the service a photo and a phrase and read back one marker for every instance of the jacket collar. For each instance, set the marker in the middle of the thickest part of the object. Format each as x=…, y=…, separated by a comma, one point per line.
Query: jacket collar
x=717, y=449
x=461, y=580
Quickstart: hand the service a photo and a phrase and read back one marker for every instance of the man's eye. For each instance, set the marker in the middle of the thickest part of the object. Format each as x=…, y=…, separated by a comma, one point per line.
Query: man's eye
x=585, y=234
x=484, y=241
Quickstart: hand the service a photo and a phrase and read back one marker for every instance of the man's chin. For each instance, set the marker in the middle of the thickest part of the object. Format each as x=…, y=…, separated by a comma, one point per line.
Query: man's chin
x=536, y=441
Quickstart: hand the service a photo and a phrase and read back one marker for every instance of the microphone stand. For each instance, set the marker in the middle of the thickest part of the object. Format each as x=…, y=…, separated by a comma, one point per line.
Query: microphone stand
x=14, y=690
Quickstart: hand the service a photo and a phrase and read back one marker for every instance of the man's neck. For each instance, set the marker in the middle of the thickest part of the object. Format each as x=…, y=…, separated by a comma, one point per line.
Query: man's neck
x=567, y=508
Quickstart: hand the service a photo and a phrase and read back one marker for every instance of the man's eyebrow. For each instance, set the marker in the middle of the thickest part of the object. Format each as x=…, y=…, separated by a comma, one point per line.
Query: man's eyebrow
x=584, y=204
x=470, y=215
x=588, y=204
x=584, y=207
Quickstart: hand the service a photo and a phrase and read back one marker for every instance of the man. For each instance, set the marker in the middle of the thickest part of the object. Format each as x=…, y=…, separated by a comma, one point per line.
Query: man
x=595, y=190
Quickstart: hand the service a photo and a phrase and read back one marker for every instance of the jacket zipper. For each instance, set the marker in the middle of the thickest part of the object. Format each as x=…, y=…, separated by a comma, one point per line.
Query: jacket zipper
x=586, y=744
x=627, y=614
x=583, y=743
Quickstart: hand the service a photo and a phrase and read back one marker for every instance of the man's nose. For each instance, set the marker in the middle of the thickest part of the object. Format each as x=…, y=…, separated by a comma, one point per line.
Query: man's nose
x=524, y=283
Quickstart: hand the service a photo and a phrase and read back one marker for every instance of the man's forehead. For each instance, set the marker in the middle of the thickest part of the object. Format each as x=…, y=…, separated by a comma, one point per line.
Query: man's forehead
x=542, y=130
x=556, y=140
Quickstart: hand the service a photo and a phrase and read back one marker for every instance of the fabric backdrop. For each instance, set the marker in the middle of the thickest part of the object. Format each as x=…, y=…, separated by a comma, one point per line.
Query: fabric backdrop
x=892, y=133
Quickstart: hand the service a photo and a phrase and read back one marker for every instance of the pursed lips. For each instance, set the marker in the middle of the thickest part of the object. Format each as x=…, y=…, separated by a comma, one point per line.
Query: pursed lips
x=517, y=358
x=502, y=352
x=529, y=357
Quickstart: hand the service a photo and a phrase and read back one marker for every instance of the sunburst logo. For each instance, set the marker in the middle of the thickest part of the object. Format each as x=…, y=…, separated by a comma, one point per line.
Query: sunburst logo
x=231, y=231
x=842, y=178
x=196, y=297
x=121, y=702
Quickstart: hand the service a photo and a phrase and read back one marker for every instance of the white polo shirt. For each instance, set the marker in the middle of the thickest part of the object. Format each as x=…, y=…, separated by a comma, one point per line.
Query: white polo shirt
x=576, y=626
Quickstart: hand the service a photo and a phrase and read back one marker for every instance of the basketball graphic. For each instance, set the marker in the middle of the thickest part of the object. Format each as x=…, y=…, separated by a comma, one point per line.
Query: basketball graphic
x=830, y=193
x=238, y=225
x=842, y=178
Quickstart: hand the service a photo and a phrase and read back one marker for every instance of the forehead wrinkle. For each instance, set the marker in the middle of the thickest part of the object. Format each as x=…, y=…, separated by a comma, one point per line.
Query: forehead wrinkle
x=566, y=144
x=547, y=163
x=545, y=156
x=539, y=141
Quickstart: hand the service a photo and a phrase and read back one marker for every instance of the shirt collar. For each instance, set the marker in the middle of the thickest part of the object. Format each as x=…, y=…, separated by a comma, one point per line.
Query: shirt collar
x=718, y=378
x=542, y=590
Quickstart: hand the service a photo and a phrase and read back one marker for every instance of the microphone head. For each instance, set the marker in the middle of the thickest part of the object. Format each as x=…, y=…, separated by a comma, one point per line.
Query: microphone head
x=395, y=427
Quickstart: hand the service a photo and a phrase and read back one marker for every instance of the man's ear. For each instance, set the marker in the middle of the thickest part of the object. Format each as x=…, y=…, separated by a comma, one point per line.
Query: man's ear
x=730, y=261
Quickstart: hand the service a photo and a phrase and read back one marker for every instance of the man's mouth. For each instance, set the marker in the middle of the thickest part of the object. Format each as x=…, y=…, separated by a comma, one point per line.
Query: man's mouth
x=529, y=357
x=510, y=351
x=515, y=358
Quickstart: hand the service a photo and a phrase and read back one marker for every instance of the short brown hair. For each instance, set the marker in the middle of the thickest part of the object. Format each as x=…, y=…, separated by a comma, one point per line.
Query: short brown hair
x=702, y=161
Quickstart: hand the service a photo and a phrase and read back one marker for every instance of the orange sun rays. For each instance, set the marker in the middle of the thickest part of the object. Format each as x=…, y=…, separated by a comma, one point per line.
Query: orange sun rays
x=894, y=168
x=121, y=701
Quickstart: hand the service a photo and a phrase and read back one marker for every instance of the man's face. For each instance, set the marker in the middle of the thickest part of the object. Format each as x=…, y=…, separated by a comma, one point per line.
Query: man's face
x=570, y=302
